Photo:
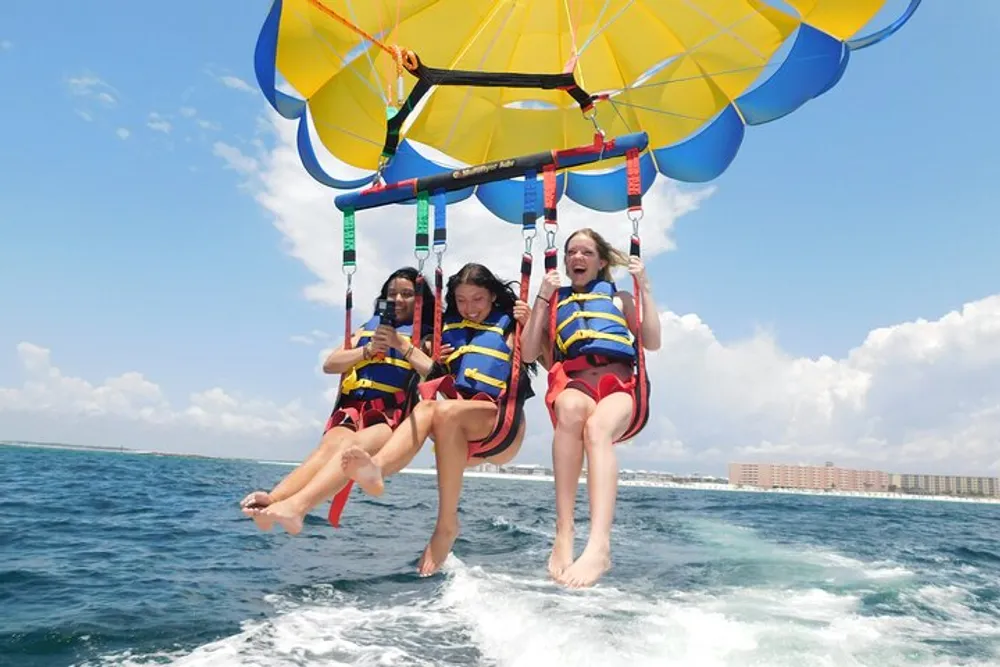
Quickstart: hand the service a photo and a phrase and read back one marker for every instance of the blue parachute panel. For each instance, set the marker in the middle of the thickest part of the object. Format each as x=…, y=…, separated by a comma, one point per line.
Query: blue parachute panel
x=706, y=155
x=813, y=62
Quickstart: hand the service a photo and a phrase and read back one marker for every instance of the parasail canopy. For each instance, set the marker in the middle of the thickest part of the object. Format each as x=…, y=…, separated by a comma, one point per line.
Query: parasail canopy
x=487, y=80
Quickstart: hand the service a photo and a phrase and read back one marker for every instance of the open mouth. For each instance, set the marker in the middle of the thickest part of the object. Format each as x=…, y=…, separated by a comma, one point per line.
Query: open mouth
x=578, y=270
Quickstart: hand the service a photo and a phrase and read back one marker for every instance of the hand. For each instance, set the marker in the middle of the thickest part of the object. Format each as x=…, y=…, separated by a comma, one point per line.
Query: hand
x=446, y=351
x=383, y=338
x=522, y=312
x=550, y=283
x=398, y=341
x=638, y=270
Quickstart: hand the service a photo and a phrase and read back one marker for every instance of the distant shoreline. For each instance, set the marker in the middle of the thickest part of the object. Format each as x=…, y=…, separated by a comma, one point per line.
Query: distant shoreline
x=689, y=486
x=709, y=486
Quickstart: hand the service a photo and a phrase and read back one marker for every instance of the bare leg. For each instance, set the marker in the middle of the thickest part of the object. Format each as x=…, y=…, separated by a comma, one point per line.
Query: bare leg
x=456, y=423
x=255, y=502
x=370, y=471
x=608, y=421
x=572, y=409
x=291, y=511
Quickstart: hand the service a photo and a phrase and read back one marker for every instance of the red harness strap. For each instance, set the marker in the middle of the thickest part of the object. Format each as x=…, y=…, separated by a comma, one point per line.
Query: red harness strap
x=339, y=503
x=640, y=413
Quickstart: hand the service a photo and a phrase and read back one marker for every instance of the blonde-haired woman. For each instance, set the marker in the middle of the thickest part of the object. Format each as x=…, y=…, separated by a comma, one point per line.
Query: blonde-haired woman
x=591, y=391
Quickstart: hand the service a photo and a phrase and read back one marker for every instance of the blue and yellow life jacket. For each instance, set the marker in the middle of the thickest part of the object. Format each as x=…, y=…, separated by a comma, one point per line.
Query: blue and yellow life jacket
x=379, y=378
x=481, y=360
x=589, y=323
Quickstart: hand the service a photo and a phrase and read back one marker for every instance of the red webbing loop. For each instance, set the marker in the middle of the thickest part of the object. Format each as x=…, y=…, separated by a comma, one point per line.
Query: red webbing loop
x=549, y=182
x=634, y=179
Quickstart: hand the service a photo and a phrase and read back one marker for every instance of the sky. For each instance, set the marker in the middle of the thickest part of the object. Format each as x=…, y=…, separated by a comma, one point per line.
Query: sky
x=171, y=275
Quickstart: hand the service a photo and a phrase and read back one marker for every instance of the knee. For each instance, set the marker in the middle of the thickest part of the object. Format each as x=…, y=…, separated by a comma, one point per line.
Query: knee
x=425, y=409
x=333, y=443
x=444, y=412
x=595, y=432
x=572, y=413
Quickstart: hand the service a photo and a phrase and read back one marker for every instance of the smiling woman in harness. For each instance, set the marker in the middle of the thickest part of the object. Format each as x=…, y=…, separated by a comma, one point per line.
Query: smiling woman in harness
x=380, y=372
x=598, y=392
x=481, y=415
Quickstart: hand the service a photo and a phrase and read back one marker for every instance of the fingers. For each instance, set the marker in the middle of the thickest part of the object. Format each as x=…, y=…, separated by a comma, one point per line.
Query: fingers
x=550, y=283
x=380, y=343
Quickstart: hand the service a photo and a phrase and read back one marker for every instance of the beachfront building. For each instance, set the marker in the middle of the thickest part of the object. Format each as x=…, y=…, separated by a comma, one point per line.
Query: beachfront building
x=527, y=469
x=486, y=466
x=825, y=477
x=945, y=485
x=627, y=475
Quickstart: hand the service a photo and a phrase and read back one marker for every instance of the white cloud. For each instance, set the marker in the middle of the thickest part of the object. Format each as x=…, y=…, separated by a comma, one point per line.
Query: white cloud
x=236, y=83
x=122, y=133
x=6, y=45
x=203, y=123
x=133, y=411
x=235, y=158
x=94, y=88
x=920, y=396
x=158, y=123
x=314, y=337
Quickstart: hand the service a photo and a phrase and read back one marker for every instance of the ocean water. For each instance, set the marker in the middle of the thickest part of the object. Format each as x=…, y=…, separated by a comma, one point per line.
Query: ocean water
x=125, y=559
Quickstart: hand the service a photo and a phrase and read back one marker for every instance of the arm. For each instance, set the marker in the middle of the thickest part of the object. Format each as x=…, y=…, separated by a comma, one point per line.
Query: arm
x=522, y=314
x=651, y=337
x=420, y=360
x=342, y=360
x=535, y=332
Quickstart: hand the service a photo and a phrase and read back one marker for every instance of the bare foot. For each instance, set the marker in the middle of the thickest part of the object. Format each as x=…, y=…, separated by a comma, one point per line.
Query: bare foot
x=562, y=553
x=286, y=514
x=253, y=506
x=359, y=466
x=588, y=568
x=437, y=549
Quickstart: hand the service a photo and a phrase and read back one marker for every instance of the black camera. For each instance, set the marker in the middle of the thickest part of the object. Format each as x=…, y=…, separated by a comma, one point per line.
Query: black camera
x=386, y=311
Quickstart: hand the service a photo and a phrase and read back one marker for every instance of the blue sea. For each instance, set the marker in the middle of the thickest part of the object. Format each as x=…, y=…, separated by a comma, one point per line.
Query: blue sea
x=125, y=559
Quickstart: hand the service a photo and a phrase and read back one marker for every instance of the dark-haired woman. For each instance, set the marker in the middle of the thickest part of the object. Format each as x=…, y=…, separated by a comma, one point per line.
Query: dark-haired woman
x=380, y=372
x=473, y=376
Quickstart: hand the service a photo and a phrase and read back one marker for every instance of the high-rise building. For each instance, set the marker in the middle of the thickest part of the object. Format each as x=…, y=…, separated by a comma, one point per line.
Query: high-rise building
x=829, y=476
x=945, y=484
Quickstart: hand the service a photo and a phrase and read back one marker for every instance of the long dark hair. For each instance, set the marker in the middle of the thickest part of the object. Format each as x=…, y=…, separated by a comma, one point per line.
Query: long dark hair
x=478, y=275
x=428, y=305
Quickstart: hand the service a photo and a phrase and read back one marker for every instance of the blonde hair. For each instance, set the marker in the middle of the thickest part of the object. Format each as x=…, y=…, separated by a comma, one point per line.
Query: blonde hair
x=613, y=256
